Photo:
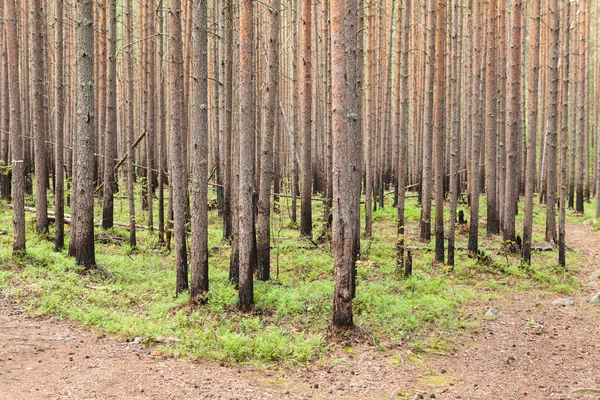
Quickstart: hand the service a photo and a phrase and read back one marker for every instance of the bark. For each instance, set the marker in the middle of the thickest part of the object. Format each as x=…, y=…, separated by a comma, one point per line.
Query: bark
x=477, y=130
x=439, y=102
x=306, y=205
x=456, y=126
x=5, y=186
x=59, y=194
x=552, y=127
x=129, y=127
x=228, y=75
x=346, y=154
x=425, y=224
x=247, y=125
x=39, y=132
x=16, y=137
x=532, y=102
x=84, y=194
x=493, y=223
x=564, y=131
x=199, y=125
x=110, y=137
x=581, y=155
x=403, y=127
x=512, y=125
x=266, y=161
x=150, y=115
x=178, y=178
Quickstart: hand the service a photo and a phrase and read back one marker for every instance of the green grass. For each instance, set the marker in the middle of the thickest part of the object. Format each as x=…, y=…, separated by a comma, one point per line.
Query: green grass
x=132, y=294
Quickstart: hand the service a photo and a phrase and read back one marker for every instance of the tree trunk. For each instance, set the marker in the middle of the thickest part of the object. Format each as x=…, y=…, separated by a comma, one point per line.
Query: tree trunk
x=178, y=178
x=266, y=162
x=439, y=102
x=39, y=132
x=84, y=192
x=532, y=102
x=16, y=142
x=306, y=205
x=59, y=193
x=428, y=116
x=512, y=127
x=199, y=125
x=347, y=147
x=564, y=131
x=247, y=124
x=110, y=138
x=493, y=222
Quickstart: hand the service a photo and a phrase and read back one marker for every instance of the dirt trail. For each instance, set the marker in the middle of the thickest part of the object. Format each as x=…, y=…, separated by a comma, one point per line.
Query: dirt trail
x=537, y=351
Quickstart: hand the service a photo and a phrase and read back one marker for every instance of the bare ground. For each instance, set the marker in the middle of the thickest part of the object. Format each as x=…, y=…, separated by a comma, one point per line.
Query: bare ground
x=537, y=351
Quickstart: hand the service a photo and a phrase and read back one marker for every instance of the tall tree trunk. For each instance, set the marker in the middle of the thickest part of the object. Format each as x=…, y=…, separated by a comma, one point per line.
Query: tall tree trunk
x=564, y=131
x=532, y=102
x=16, y=137
x=129, y=125
x=347, y=148
x=84, y=191
x=493, y=222
x=110, y=138
x=151, y=104
x=403, y=104
x=477, y=128
x=199, y=125
x=228, y=75
x=266, y=162
x=59, y=101
x=581, y=146
x=428, y=116
x=39, y=132
x=455, y=130
x=247, y=124
x=552, y=126
x=178, y=178
x=512, y=127
x=439, y=102
x=306, y=203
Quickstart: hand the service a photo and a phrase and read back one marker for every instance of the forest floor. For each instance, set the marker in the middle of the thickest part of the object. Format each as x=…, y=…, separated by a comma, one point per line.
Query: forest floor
x=534, y=349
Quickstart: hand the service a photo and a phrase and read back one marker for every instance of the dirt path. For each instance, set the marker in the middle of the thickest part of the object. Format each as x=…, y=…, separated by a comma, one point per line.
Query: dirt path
x=538, y=351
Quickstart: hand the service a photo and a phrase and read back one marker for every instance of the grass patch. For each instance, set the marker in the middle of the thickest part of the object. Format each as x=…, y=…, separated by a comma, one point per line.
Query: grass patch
x=132, y=294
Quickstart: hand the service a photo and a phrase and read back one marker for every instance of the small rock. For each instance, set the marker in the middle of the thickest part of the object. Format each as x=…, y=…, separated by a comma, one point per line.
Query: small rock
x=594, y=276
x=495, y=313
x=136, y=340
x=563, y=302
x=595, y=299
x=532, y=323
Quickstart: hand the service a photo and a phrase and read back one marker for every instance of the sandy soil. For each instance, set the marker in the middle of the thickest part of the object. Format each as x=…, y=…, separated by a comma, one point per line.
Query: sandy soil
x=538, y=350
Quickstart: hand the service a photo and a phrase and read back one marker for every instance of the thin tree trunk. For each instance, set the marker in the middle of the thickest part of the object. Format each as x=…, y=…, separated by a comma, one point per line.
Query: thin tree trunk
x=493, y=221
x=178, y=178
x=247, y=125
x=439, y=102
x=564, y=132
x=306, y=205
x=512, y=127
x=534, y=66
x=59, y=194
x=84, y=194
x=425, y=224
x=266, y=162
x=39, y=133
x=199, y=125
x=16, y=142
x=110, y=151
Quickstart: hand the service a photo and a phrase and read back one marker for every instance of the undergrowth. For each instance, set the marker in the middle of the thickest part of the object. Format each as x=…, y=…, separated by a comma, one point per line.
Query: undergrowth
x=132, y=293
